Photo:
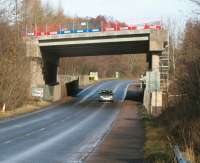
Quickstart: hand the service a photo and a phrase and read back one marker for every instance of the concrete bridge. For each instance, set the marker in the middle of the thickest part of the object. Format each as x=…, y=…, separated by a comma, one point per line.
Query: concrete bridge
x=45, y=51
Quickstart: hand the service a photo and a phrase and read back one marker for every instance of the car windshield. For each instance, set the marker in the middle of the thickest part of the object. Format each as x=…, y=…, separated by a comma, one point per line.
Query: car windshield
x=106, y=92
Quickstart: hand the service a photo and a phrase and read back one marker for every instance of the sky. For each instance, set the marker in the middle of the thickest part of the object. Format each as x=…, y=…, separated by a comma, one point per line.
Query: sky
x=129, y=11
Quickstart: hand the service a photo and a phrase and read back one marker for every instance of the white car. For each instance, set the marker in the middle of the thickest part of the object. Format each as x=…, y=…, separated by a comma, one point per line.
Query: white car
x=106, y=96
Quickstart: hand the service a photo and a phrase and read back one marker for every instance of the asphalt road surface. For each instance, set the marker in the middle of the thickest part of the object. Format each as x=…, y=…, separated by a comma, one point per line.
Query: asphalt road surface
x=64, y=133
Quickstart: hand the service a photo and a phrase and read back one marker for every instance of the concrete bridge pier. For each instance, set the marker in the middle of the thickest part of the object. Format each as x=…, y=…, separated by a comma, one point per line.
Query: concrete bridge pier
x=156, y=94
x=153, y=93
x=155, y=63
x=158, y=56
x=36, y=63
x=43, y=71
x=50, y=69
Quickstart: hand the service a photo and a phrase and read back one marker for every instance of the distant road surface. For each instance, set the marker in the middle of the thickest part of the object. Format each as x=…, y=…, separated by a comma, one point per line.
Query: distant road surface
x=64, y=133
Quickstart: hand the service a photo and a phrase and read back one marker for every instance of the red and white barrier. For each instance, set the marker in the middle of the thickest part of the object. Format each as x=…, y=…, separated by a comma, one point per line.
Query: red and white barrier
x=109, y=29
x=53, y=33
x=133, y=27
x=30, y=34
x=124, y=28
x=54, y=30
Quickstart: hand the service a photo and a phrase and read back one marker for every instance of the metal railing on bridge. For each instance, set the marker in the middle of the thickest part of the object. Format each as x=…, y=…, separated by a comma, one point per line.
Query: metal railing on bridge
x=49, y=30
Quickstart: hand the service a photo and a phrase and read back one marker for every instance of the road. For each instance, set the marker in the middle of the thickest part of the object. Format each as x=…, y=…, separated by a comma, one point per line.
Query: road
x=63, y=133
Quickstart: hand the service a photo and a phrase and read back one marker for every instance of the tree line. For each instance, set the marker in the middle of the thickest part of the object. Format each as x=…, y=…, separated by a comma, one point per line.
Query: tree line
x=20, y=16
x=182, y=117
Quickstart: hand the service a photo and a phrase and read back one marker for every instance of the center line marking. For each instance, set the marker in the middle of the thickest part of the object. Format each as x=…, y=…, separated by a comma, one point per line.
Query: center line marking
x=42, y=129
x=7, y=142
x=28, y=134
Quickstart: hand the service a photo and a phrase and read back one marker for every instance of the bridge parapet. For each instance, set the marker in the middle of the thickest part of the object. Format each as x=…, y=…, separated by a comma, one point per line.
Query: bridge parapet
x=95, y=34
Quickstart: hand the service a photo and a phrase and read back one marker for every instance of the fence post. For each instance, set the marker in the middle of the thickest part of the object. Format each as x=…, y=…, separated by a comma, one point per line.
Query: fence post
x=4, y=108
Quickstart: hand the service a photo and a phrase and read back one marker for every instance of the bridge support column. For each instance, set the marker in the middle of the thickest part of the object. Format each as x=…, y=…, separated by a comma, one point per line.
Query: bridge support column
x=34, y=55
x=156, y=93
x=153, y=93
x=155, y=62
x=43, y=71
x=36, y=72
x=50, y=68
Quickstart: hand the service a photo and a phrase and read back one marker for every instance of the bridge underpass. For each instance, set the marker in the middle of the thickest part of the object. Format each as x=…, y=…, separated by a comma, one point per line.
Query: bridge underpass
x=50, y=48
x=51, y=54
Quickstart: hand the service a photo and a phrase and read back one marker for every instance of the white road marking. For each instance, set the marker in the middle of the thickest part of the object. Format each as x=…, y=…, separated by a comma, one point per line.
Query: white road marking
x=117, y=87
x=91, y=93
x=92, y=141
x=26, y=123
x=30, y=114
x=51, y=141
x=42, y=129
x=55, y=123
x=20, y=125
x=28, y=134
x=84, y=90
x=8, y=142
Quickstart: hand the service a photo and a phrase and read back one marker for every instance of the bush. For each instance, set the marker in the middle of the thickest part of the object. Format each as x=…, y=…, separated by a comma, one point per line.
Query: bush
x=14, y=68
x=183, y=117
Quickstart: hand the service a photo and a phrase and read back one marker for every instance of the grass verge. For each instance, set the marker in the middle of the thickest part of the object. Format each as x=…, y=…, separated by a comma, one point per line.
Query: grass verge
x=157, y=147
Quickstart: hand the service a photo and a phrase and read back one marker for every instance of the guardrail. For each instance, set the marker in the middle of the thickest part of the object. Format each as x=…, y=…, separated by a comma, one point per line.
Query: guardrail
x=180, y=156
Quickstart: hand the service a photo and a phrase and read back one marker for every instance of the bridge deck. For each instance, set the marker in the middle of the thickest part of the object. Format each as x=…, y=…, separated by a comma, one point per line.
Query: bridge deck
x=96, y=34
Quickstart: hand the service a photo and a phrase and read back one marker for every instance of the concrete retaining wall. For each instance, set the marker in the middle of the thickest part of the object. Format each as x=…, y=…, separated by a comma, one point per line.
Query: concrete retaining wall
x=84, y=80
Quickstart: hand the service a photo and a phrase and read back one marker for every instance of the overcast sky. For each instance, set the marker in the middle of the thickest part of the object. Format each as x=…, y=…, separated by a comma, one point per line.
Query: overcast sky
x=129, y=11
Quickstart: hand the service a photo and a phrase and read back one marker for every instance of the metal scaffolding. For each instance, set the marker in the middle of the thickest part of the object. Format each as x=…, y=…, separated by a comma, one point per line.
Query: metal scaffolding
x=164, y=70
